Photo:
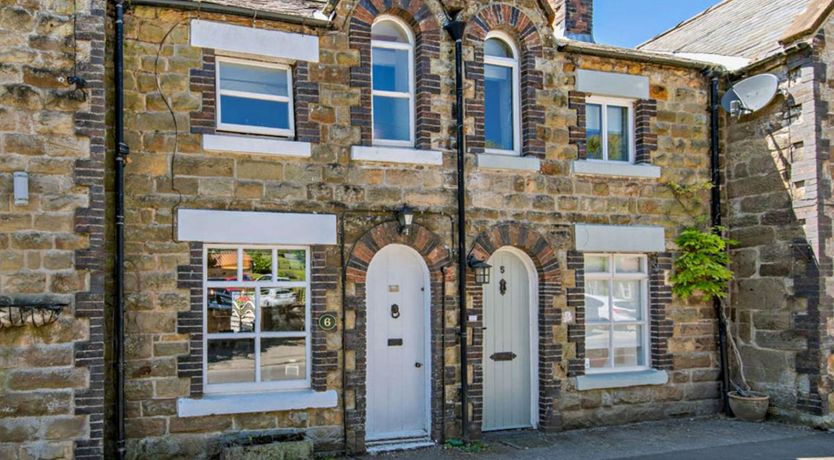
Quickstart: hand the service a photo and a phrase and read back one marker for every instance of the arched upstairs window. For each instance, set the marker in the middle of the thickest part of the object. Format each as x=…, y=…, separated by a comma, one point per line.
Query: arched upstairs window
x=502, y=130
x=392, y=77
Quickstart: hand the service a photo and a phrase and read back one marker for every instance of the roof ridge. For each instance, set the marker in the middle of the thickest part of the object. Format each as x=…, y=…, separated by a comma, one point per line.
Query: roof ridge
x=684, y=22
x=807, y=22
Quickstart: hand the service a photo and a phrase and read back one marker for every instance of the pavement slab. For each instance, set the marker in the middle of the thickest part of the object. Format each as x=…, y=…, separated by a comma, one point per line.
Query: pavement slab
x=679, y=439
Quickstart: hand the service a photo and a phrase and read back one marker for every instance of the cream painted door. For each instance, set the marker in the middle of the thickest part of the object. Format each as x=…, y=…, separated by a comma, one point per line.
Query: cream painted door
x=507, y=389
x=398, y=365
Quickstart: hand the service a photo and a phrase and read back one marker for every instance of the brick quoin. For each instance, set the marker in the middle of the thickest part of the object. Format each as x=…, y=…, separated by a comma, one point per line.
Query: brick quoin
x=89, y=173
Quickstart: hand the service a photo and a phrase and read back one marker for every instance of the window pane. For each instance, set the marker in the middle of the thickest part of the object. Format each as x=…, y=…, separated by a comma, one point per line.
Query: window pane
x=628, y=346
x=221, y=265
x=498, y=107
x=283, y=309
x=283, y=359
x=630, y=264
x=596, y=264
x=391, y=118
x=388, y=31
x=596, y=300
x=292, y=265
x=627, y=297
x=230, y=310
x=231, y=361
x=390, y=72
x=257, y=264
x=593, y=131
x=498, y=48
x=253, y=79
x=618, y=135
x=596, y=347
x=254, y=112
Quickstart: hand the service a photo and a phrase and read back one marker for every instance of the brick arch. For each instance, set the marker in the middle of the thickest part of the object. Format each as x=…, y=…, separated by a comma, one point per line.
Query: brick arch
x=427, y=33
x=436, y=256
x=544, y=257
x=514, y=22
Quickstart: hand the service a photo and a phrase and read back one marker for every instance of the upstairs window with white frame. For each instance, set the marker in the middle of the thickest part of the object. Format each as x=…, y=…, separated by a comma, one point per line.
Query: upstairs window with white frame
x=502, y=126
x=254, y=97
x=256, y=319
x=616, y=313
x=609, y=129
x=392, y=75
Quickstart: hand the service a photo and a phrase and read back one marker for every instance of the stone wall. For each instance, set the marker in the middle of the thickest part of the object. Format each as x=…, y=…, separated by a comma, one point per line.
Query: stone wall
x=823, y=331
x=777, y=184
x=168, y=169
x=51, y=249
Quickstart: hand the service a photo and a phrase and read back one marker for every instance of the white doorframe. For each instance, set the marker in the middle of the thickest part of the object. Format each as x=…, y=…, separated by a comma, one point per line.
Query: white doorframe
x=427, y=333
x=533, y=277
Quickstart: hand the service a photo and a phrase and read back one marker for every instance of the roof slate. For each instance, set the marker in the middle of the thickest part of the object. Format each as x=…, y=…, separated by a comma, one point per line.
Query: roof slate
x=742, y=28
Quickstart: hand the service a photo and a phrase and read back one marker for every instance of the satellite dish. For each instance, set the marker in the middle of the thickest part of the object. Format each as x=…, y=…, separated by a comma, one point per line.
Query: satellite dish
x=750, y=94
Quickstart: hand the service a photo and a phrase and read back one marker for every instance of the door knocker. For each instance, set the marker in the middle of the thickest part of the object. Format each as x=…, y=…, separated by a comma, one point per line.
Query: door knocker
x=502, y=287
x=395, y=311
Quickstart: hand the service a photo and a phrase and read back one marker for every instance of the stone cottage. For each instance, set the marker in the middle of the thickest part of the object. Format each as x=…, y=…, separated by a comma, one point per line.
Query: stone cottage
x=777, y=192
x=292, y=225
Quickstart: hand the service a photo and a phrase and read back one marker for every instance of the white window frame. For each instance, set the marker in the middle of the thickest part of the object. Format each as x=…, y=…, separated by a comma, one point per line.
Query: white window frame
x=611, y=276
x=248, y=129
x=516, y=83
x=395, y=94
x=257, y=385
x=604, y=102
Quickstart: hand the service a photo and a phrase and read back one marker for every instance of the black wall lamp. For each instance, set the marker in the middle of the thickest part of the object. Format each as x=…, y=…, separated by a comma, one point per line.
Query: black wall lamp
x=405, y=217
x=481, y=270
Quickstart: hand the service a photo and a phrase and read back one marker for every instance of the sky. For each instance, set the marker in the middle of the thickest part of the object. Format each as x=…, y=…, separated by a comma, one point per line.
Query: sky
x=628, y=23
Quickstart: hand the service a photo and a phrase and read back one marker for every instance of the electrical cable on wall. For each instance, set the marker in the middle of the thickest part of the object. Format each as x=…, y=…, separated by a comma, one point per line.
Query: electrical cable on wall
x=170, y=108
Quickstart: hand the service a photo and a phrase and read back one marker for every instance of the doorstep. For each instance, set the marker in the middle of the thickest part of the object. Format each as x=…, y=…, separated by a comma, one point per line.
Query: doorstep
x=393, y=445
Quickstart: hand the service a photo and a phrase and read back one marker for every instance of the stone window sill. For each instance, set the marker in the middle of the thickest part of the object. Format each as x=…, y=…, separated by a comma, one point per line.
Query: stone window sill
x=396, y=155
x=621, y=379
x=259, y=145
x=491, y=161
x=611, y=168
x=255, y=402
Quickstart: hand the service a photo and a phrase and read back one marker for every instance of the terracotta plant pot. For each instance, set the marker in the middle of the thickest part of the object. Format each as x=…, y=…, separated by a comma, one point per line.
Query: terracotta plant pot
x=751, y=408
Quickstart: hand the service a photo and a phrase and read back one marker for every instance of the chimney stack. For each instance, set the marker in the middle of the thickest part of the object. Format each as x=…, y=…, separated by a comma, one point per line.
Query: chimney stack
x=575, y=19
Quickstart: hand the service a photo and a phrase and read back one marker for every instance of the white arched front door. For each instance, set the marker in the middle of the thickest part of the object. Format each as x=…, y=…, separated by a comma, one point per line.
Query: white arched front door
x=398, y=337
x=510, y=357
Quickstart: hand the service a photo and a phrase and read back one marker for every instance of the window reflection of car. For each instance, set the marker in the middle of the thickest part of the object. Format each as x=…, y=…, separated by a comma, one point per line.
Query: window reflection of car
x=268, y=277
x=596, y=307
x=277, y=297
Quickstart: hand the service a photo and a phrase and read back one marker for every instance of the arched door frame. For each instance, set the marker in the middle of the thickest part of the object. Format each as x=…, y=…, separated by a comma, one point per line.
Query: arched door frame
x=427, y=332
x=533, y=327
x=548, y=276
x=436, y=256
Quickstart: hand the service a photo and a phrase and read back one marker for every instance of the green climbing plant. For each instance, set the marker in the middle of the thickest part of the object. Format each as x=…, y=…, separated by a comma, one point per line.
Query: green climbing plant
x=701, y=267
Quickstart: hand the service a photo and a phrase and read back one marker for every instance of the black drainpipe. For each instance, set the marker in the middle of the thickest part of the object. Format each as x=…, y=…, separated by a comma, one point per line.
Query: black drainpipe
x=715, y=214
x=455, y=29
x=121, y=154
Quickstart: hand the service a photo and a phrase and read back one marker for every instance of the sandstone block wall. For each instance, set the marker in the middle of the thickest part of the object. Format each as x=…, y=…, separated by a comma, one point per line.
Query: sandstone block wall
x=51, y=250
x=168, y=170
x=53, y=394
x=777, y=186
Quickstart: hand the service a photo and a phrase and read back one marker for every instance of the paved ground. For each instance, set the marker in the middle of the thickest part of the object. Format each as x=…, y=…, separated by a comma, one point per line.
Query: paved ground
x=713, y=438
